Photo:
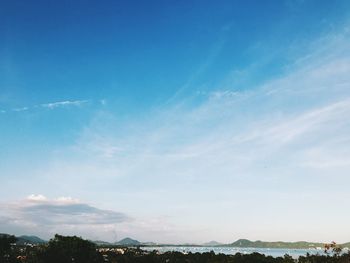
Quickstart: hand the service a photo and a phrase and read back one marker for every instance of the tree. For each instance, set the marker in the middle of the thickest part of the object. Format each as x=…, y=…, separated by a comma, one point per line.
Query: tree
x=333, y=248
x=68, y=249
x=6, y=254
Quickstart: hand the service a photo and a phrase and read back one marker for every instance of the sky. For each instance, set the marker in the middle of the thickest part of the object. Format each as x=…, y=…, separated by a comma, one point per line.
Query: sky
x=175, y=121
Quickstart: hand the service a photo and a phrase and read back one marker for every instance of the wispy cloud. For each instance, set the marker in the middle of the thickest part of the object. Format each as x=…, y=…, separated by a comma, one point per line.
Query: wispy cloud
x=203, y=67
x=250, y=143
x=277, y=147
x=20, y=109
x=65, y=103
x=52, y=105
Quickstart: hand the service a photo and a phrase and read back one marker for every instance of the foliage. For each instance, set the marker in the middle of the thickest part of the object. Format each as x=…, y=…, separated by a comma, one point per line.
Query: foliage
x=67, y=249
x=6, y=252
x=333, y=248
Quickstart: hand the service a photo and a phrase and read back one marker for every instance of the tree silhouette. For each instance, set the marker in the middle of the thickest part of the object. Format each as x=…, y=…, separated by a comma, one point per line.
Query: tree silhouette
x=333, y=248
x=6, y=254
x=68, y=249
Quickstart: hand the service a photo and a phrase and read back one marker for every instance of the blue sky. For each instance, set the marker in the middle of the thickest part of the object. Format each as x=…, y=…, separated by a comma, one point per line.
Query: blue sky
x=175, y=121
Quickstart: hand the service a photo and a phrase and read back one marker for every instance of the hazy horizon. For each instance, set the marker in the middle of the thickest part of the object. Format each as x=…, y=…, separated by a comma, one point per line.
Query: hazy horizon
x=175, y=121
x=178, y=243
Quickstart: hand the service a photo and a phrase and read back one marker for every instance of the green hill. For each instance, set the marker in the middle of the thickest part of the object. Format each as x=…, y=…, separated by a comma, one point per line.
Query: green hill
x=128, y=242
x=212, y=244
x=277, y=244
x=21, y=240
x=24, y=240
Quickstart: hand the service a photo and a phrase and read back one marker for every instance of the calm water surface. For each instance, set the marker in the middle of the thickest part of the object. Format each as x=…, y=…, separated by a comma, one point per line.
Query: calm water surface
x=275, y=252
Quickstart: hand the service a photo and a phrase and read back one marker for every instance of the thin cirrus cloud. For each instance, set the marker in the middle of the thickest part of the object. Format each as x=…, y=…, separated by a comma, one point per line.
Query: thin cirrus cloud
x=305, y=108
x=51, y=105
x=20, y=109
x=66, y=103
x=293, y=130
x=277, y=147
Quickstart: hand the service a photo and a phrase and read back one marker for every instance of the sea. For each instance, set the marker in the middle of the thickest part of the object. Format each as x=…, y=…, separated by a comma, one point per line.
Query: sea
x=274, y=252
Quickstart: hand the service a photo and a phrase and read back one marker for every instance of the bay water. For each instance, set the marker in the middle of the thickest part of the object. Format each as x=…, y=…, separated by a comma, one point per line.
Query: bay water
x=274, y=252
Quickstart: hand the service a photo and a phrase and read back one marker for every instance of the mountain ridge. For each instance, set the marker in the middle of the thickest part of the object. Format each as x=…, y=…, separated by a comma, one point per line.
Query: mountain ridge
x=275, y=244
x=244, y=243
x=25, y=240
x=212, y=243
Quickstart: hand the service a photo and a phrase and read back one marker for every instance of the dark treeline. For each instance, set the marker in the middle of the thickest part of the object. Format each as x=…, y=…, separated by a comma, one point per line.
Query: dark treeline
x=62, y=249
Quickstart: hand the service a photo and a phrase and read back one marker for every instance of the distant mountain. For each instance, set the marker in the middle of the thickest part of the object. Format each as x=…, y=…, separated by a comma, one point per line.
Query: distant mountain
x=149, y=244
x=346, y=245
x=22, y=240
x=128, y=242
x=278, y=244
x=212, y=244
x=244, y=243
x=124, y=242
x=102, y=243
